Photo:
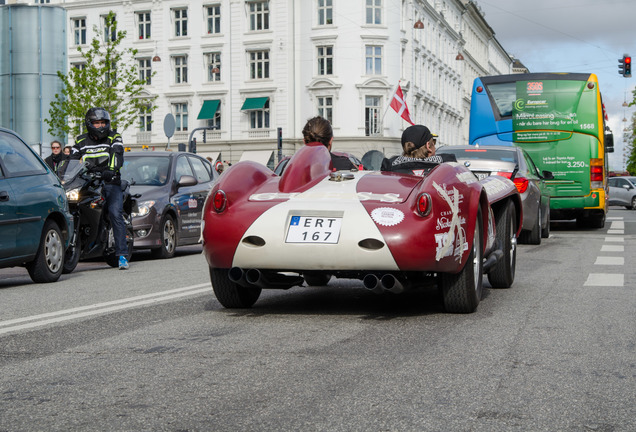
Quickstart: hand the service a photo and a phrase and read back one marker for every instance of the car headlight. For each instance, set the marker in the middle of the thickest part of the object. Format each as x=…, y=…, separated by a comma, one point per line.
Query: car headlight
x=144, y=208
x=73, y=195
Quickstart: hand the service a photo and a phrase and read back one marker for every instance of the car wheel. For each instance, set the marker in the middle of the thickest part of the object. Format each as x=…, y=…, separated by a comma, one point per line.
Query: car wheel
x=545, y=232
x=232, y=295
x=73, y=252
x=503, y=274
x=168, y=239
x=49, y=259
x=633, y=206
x=534, y=235
x=316, y=278
x=461, y=292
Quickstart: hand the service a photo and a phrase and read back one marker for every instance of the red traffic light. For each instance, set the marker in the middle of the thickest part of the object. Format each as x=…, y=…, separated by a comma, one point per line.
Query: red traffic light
x=628, y=60
x=625, y=66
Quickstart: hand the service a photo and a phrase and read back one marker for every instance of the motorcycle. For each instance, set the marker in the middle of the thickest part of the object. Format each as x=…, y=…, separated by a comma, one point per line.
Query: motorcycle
x=93, y=235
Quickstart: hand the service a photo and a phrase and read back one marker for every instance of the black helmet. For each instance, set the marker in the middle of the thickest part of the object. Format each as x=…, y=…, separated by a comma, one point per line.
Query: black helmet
x=95, y=114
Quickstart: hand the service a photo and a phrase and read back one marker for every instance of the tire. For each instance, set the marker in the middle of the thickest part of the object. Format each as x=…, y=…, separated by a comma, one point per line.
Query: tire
x=534, y=235
x=72, y=256
x=49, y=259
x=231, y=295
x=594, y=221
x=461, y=292
x=545, y=232
x=112, y=259
x=502, y=275
x=168, y=239
x=316, y=278
x=633, y=206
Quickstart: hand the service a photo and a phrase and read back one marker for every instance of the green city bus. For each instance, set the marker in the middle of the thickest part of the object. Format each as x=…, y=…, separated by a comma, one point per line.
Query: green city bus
x=558, y=118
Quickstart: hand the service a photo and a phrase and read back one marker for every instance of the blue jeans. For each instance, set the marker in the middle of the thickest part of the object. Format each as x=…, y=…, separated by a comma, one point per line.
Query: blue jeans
x=115, y=204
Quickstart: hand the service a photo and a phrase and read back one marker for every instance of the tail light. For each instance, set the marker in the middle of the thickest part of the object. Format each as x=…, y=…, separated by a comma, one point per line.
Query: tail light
x=596, y=173
x=219, y=201
x=424, y=204
x=520, y=182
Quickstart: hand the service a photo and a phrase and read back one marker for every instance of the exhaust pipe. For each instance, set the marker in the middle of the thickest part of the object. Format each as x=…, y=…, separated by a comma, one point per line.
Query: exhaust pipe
x=237, y=275
x=372, y=283
x=272, y=280
x=392, y=284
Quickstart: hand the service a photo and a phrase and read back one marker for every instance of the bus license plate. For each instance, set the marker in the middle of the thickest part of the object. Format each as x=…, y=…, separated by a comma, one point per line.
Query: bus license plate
x=313, y=229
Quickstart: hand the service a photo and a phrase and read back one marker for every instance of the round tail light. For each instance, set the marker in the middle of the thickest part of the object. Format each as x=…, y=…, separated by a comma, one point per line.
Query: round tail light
x=219, y=201
x=424, y=204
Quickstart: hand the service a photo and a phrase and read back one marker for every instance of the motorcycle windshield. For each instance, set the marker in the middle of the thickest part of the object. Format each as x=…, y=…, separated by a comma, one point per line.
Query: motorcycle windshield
x=72, y=169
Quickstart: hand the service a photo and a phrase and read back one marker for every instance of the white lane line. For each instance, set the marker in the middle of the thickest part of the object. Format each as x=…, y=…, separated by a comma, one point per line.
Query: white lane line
x=605, y=279
x=100, y=308
x=615, y=239
x=611, y=231
x=619, y=225
x=612, y=248
x=615, y=218
x=602, y=260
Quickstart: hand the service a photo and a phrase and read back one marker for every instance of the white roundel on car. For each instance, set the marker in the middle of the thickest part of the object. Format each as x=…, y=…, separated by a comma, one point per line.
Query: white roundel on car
x=387, y=216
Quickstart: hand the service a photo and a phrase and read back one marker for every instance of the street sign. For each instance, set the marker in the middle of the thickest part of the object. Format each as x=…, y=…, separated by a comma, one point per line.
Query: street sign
x=169, y=125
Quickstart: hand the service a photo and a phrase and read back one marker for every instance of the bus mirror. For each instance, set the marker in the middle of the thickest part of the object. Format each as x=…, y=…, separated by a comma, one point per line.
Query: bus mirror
x=609, y=142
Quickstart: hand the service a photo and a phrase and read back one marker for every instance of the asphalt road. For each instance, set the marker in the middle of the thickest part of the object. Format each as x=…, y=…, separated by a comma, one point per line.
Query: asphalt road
x=151, y=349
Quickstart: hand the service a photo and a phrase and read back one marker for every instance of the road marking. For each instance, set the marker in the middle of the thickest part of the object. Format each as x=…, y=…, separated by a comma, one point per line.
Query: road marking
x=611, y=231
x=605, y=279
x=619, y=225
x=602, y=260
x=100, y=308
x=615, y=218
x=615, y=239
x=612, y=248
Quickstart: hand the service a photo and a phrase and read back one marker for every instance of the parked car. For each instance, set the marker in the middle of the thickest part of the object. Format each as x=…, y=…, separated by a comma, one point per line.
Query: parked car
x=622, y=191
x=35, y=221
x=513, y=163
x=171, y=189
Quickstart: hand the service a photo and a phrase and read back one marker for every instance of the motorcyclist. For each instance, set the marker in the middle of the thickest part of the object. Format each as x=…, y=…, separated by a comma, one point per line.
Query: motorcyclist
x=103, y=150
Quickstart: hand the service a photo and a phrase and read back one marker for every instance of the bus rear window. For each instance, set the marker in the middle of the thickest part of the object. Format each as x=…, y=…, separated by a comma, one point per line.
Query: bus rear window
x=503, y=95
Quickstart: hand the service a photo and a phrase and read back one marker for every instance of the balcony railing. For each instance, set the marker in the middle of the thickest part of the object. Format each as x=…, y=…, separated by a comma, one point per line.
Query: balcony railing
x=259, y=133
x=144, y=137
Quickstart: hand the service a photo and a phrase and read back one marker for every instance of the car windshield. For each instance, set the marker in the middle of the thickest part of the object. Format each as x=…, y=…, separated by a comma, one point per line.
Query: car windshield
x=146, y=171
x=482, y=153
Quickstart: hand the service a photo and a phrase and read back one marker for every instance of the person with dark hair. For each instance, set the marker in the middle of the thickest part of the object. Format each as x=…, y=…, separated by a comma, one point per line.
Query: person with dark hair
x=103, y=149
x=319, y=130
x=418, y=152
x=56, y=159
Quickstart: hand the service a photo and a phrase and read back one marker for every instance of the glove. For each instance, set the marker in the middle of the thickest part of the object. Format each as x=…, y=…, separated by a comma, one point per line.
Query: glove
x=96, y=169
x=108, y=176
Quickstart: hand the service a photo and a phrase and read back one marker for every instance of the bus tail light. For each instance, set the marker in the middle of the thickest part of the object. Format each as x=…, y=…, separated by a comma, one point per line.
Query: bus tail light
x=596, y=173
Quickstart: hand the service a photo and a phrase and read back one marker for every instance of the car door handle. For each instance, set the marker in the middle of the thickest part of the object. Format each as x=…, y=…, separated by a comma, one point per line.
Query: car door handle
x=4, y=196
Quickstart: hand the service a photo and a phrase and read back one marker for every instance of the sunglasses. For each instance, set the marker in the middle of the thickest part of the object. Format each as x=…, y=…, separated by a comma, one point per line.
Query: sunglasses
x=56, y=148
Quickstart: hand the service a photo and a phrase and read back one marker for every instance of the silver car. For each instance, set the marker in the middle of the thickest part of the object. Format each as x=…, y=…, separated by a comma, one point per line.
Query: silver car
x=622, y=191
x=515, y=164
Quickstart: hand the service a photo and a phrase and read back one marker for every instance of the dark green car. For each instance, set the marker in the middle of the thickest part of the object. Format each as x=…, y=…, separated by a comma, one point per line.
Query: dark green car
x=34, y=217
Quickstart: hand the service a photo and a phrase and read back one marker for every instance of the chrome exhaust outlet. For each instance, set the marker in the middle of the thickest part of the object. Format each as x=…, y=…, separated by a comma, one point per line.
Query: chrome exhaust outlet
x=237, y=275
x=392, y=284
x=272, y=280
x=372, y=283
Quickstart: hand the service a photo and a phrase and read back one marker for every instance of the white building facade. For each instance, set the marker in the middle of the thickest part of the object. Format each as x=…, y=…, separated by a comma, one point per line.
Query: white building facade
x=245, y=68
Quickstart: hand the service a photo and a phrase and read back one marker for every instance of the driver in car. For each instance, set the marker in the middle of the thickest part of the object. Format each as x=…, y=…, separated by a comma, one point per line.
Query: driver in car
x=103, y=149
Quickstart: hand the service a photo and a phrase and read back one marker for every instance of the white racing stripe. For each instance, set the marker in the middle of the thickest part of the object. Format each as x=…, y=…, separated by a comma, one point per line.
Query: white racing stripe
x=99, y=308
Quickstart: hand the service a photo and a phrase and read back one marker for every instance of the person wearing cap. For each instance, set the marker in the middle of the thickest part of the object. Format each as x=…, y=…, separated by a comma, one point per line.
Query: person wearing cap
x=418, y=149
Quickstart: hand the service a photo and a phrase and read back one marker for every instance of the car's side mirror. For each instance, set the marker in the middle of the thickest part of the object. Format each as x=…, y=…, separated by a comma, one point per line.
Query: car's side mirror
x=547, y=175
x=628, y=187
x=186, y=180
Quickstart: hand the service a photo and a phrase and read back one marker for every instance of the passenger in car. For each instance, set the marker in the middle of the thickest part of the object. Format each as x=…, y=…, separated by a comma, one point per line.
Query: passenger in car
x=418, y=152
x=319, y=130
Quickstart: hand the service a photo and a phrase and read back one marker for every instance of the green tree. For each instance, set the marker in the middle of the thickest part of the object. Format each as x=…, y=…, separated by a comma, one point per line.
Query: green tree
x=108, y=78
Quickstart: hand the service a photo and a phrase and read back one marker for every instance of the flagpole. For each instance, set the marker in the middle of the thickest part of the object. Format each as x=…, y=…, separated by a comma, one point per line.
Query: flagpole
x=388, y=105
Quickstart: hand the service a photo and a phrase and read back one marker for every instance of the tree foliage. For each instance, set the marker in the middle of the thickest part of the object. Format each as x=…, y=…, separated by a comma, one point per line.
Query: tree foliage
x=109, y=79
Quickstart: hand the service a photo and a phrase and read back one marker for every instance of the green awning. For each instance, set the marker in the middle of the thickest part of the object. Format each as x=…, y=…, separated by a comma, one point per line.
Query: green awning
x=254, y=103
x=208, y=110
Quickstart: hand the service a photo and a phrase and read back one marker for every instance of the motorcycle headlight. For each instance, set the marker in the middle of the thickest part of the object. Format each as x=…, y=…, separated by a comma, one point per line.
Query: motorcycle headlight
x=72, y=195
x=144, y=208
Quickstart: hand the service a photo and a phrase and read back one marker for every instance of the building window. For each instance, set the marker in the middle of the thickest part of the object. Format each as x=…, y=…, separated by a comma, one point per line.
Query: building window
x=325, y=60
x=215, y=123
x=259, y=119
x=213, y=65
x=145, y=119
x=180, y=111
x=110, y=31
x=214, y=18
x=79, y=66
x=325, y=107
x=40, y=1
x=259, y=15
x=373, y=56
x=371, y=115
x=259, y=64
x=79, y=31
x=143, y=20
x=180, y=69
x=180, y=22
x=325, y=12
x=374, y=12
x=145, y=70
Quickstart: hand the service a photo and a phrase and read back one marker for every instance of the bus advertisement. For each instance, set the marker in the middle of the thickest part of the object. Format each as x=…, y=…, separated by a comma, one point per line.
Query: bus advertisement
x=558, y=119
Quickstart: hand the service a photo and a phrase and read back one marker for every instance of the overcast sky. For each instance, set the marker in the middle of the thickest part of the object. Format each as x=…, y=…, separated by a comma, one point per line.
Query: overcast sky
x=573, y=36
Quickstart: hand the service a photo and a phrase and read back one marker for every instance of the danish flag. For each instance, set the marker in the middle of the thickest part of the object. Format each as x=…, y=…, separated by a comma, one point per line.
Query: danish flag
x=399, y=104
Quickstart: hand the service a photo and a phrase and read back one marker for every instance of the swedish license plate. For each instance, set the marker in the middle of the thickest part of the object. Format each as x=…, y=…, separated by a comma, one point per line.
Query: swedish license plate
x=313, y=229
x=481, y=175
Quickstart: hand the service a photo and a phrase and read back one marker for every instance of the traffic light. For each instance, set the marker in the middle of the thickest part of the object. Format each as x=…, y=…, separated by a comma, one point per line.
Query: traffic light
x=625, y=66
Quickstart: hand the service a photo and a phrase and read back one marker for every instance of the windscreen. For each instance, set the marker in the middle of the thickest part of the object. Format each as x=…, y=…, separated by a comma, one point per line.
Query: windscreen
x=146, y=171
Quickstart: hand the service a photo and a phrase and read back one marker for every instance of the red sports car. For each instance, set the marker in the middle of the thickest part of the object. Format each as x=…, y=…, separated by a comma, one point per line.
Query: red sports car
x=394, y=231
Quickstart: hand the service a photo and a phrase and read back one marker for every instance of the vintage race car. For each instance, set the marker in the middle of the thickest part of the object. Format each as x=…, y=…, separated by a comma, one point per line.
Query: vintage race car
x=394, y=231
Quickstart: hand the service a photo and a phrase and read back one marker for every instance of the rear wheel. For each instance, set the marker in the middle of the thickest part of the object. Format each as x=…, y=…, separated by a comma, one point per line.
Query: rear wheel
x=49, y=259
x=545, y=232
x=168, y=239
x=461, y=292
x=503, y=273
x=232, y=295
x=633, y=206
x=534, y=235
